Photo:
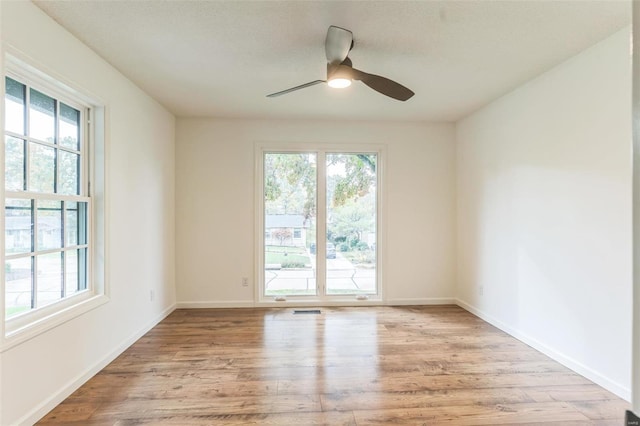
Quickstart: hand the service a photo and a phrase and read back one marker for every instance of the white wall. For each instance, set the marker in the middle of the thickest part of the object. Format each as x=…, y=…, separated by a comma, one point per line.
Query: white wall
x=544, y=212
x=215, y=204
x=635, y=381
x=140, y=185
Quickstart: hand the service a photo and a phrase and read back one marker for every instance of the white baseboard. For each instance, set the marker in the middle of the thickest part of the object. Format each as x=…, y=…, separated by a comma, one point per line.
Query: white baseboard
x=422, y=301
x=50, y=403
x=612, y=386
x=212, y=304
x=293, y=303
x=300, y=303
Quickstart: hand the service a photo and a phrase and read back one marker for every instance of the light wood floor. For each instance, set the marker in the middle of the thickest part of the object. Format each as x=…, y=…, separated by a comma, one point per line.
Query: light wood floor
x=346, y=366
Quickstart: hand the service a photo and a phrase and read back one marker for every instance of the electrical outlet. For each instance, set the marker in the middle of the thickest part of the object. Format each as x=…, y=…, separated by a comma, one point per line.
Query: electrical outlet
x=151, y=295
x=245, y=282
x=481, y=290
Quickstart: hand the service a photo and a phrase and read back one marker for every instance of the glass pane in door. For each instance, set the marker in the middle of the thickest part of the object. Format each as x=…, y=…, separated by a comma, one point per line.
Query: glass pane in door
x=290, y=224
x=351, y=223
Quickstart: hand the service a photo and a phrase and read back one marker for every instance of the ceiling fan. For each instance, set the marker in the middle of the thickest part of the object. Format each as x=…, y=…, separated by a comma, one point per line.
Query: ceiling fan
x=340, y=72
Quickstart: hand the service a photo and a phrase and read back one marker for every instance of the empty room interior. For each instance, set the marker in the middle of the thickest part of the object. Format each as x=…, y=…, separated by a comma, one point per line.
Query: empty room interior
x=317, y=212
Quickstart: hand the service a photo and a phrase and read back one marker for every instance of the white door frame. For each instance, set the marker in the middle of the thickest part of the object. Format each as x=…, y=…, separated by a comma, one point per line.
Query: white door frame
x=320, y=298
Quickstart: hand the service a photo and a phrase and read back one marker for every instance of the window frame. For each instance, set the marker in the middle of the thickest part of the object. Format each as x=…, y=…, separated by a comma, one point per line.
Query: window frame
x=91, y=184
x=321, y=150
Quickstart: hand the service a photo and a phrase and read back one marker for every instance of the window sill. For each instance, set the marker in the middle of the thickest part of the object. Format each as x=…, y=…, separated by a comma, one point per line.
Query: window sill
x=21, y=334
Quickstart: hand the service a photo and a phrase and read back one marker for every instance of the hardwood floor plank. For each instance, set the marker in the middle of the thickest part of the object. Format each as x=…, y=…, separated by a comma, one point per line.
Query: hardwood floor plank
x=556, y=412
x=424, y=399
x=150, y=409
x=288, y=419
x=155, y=388
x=602, y=410
x=420, y=383
x=71, y=410
x=498, y=367
x=568, y=393
x=346, y=366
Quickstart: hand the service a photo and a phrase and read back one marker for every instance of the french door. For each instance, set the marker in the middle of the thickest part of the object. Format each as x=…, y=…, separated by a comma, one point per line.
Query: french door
x=319, y=224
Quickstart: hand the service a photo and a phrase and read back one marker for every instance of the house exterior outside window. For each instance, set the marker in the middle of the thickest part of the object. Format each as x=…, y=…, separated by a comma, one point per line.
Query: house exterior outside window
x=286, y=230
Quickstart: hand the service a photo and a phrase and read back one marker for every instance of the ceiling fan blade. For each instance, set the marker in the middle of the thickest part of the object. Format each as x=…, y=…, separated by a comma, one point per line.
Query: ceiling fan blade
x=293, y=89
x=383, y=85
x=337, y=44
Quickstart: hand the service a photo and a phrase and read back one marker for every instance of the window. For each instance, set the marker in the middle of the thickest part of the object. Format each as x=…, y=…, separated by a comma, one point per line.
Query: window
x=48, y=208
x=297, y=233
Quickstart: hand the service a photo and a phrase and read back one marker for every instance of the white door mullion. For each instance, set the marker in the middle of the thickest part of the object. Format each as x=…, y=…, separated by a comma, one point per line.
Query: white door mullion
x=321, y=232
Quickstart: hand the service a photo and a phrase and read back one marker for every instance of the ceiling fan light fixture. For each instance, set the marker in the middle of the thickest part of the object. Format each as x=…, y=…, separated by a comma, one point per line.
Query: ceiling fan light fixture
x=339, y=82
x=340, y=71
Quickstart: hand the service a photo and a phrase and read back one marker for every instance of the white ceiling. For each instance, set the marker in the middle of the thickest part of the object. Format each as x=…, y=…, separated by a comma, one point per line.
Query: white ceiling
x=220, y=58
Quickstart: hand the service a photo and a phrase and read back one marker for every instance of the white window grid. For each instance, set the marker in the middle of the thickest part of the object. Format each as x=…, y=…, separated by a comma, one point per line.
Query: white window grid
x=38, y=197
